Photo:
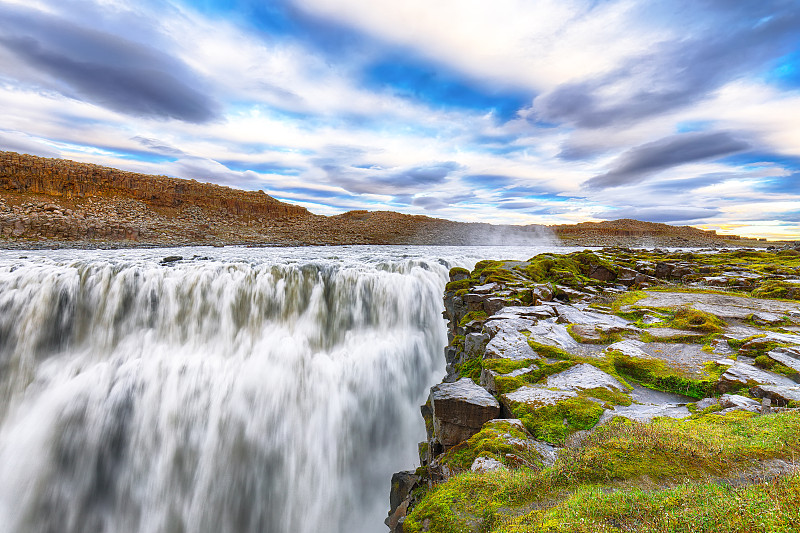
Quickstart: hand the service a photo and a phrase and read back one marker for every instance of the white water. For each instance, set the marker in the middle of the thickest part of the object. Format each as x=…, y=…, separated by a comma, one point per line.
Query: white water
x=244, y=390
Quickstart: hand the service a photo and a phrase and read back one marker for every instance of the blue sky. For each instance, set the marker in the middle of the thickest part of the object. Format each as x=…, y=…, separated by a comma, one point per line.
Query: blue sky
x=510, y=111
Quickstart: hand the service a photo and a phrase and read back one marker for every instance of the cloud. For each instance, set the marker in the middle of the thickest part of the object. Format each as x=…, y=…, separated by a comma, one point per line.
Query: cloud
x=411, y=180
x=157, y=146
x=102, y=68
x=633, y=165
x=665, y=214
x=675, y=73
x=13, y=141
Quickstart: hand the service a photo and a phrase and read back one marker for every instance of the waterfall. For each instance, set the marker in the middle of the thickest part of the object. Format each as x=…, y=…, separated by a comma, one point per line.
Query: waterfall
x=222, y=396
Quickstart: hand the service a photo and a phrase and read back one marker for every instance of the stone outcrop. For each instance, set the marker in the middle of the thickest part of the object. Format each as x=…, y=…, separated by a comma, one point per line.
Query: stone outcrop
x=587, y=350
x=459, y=410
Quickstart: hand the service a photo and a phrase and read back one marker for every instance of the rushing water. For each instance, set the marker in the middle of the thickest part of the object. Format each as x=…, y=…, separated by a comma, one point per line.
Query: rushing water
x=237, y=391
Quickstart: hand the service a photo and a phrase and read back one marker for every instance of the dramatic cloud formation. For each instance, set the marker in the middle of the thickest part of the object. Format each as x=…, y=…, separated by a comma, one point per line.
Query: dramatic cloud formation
x=512, y=111
x=638, y=162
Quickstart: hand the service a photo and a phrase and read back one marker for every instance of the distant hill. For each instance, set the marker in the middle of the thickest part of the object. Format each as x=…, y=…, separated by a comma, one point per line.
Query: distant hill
x=61, y=201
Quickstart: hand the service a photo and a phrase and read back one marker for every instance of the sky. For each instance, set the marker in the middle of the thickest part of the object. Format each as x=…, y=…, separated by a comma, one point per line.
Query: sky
x=685, y=112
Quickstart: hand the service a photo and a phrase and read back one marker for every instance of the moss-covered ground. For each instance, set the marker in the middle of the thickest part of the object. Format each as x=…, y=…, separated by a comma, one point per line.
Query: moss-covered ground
x=667, y=475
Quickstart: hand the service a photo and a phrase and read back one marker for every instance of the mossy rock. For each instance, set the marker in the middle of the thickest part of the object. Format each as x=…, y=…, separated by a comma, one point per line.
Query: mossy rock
x=505, y=441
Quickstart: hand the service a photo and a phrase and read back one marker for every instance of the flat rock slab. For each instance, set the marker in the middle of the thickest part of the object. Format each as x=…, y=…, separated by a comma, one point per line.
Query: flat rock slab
x=510, y=345
x=460, y=409
x=744, y=375
x=787, y=356
x=535, y=397
x=496, y=324
x=532, y=311
x=573, y=315
x=582, y=377
x=781, y=395
x=552, y=334
x=721, y=305
x=649, y=404
x=630, y=348
x=689, y=358
x=672, y=333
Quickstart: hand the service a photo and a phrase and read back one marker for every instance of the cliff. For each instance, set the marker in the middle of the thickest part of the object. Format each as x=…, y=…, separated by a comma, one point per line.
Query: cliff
x=61, y=202
x=62, y=178
x=579, y=399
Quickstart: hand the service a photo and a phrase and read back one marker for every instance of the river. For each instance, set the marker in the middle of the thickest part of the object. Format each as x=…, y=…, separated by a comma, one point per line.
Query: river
x=239, y=390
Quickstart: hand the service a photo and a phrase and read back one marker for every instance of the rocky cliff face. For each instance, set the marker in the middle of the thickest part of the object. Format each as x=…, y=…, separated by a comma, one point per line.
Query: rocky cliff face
x=76, y=204
x=67, y=179
x=546, y=356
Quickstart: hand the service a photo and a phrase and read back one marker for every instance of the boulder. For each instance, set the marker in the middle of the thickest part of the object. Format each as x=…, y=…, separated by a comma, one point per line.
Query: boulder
x=663, y=270
x=779, y=394
x=402, y=483
x=735, y=401
x=584, y=376
x=493, y=305
x=744, y=375
x=459, y=410
x=587, y=333
x=705, y=403
x=601, y=273
x=475, y=343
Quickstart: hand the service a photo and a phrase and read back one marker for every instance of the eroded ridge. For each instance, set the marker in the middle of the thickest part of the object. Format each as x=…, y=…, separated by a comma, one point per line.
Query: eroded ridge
x=615, y=390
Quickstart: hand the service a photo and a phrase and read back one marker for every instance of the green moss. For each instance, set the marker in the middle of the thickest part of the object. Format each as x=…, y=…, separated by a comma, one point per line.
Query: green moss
x=767, y=363
x=777, y=290
x=611, y=397
x=655, y=374
x=695, y=320
x=461, y=284
x=502, y=441
x=473, y=315
x=458, y=271
x=504, y=366
x=607, y=483
x=471, y=368
x=602, y=338
x=553, y=423
x=702, y=508
x=551, y=352
x=540, y=372
x=625, y=299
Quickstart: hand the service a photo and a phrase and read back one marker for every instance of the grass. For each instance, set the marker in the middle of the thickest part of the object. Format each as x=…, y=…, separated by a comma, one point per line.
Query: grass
x=710, y=507
x=630, y=476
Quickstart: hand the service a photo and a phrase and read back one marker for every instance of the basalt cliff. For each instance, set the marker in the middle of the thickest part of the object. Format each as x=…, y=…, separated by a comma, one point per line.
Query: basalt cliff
x=617, y=390
x=55, y=201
